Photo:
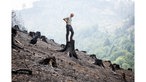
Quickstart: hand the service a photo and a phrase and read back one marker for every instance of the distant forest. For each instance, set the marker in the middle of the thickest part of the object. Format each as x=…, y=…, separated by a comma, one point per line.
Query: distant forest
x=117, y=46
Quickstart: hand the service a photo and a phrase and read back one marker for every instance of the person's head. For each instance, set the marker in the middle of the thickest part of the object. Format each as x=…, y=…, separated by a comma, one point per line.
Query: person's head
x=71, y=15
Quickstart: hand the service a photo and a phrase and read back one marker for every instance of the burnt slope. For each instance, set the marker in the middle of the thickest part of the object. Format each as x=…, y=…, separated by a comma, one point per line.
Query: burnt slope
x=68, y=69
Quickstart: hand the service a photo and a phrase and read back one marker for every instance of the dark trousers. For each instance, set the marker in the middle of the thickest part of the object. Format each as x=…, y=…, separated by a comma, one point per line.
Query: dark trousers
x=69, y=29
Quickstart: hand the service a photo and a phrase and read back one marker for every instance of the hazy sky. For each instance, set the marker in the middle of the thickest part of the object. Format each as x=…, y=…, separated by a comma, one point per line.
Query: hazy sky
x=21, y=4
x=46, y=15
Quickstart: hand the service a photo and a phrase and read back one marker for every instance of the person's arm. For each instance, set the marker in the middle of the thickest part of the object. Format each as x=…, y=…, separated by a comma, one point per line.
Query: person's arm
x=65, y=19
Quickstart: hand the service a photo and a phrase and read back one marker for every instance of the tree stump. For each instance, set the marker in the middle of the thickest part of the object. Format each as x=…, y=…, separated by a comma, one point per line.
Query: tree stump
x=43, y=38
x=13, y=35
x=34, y=39
x=70, y=47
x=49, y=61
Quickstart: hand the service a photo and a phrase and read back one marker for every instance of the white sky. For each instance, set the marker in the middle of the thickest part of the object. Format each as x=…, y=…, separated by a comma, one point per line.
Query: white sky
x=21, y=4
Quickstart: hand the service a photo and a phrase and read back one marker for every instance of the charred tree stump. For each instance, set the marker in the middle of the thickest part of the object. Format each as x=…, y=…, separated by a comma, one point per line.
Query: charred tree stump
x=112, y=67
x=34, y=40
x=13, y=35
x=49, y=61
x=32, y=34
x=70, y=47
x=99, y=62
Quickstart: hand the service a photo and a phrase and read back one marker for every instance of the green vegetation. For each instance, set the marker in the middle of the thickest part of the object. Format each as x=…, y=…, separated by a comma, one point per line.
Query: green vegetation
x=116, y=45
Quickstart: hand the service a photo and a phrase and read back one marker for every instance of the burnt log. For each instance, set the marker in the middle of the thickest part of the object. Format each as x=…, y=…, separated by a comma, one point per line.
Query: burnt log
x=93, y=56
x=22, y=71
x=115, y=67
x=98, y=62
x=84, y=51
x=43, y=38
x=70, y=47
x=32, y=34
x=130, y=69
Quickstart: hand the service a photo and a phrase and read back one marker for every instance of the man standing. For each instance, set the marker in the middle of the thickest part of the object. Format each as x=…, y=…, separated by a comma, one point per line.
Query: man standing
x=70, y=47
x=69, y=27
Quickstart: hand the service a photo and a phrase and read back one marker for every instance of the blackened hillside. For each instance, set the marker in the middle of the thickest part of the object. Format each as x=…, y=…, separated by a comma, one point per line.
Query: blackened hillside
x=41, y=62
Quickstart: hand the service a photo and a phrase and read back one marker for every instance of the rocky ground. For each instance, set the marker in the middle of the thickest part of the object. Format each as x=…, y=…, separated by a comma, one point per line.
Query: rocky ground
x=68, y=69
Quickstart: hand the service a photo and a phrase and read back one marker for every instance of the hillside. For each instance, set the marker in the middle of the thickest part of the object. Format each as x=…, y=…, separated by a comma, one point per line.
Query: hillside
x=26, y=66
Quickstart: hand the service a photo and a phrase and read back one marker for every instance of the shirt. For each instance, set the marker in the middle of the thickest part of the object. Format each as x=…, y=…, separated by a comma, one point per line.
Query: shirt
x=68, y=20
